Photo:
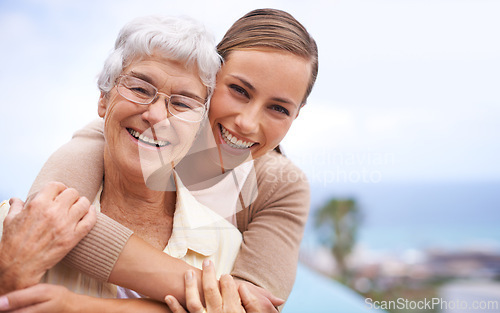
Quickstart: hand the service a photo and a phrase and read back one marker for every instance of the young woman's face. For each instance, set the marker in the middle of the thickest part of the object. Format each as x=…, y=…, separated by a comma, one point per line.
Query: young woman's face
x=257, y=96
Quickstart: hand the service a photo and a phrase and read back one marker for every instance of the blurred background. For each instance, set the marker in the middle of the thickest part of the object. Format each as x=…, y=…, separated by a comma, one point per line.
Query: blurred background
x=400, y=139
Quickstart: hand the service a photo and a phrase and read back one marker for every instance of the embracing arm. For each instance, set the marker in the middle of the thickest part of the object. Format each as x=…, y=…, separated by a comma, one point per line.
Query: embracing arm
x=54, y=298
x=127, y=269
x=273, y=226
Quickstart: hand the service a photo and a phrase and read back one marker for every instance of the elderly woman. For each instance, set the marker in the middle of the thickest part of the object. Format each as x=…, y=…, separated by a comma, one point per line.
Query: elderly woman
x=154, y=91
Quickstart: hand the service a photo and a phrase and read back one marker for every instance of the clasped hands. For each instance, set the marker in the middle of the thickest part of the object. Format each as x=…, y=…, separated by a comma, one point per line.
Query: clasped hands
x=225, y=295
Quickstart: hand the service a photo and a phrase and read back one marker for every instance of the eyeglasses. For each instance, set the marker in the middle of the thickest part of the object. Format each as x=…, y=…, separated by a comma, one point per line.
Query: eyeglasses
x=142, y=92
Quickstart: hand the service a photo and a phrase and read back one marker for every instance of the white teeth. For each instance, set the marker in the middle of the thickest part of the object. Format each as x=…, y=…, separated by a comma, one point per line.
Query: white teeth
x=233, y=141
x=148, y=140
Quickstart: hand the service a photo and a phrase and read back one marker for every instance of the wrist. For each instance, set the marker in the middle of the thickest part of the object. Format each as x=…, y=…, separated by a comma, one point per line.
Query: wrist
x=14, y=275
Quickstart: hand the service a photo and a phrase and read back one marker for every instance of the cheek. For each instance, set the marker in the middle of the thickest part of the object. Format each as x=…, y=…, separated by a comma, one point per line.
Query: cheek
x=220, y=106
x=185, y=132
x=276, y=132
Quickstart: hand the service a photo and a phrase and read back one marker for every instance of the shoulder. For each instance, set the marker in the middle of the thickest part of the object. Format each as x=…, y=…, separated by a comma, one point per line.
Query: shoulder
x=279, y=178
x=275, y=169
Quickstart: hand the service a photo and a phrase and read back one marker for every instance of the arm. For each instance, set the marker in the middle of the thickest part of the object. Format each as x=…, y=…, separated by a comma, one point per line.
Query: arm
x=274, y=222
x=53, y=299
x=102, y=263
x=273, y=226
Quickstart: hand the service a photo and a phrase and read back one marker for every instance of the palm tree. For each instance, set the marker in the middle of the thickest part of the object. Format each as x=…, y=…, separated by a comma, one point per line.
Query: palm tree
x=337, y=223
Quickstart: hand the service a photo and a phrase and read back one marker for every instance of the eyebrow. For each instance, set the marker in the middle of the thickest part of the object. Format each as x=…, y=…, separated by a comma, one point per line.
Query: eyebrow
x=252, y=88
x=185, y=93
x=144, y=77
x=192, y=95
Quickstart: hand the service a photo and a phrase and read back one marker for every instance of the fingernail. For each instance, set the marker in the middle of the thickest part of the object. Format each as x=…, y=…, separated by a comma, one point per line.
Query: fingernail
x=168, y=300
x=206, y=263
x=4, y=303
x=189, y=275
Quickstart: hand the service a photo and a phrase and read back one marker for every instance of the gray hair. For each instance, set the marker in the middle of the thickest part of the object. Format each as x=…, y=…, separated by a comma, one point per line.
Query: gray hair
x=179, y=39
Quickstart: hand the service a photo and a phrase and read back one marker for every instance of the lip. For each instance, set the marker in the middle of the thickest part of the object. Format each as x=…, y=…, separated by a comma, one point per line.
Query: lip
x=236, y=135
x=228, y=148
x=146, y=145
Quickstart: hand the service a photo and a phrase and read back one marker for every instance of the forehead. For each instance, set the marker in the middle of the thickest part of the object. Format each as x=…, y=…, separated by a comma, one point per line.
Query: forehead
x=167, y=75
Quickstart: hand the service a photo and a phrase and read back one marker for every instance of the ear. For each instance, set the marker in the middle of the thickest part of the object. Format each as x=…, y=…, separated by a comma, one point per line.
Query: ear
x=102, y=105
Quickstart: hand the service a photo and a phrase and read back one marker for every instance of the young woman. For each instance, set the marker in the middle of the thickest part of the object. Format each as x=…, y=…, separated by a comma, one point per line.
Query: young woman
x=270, y=66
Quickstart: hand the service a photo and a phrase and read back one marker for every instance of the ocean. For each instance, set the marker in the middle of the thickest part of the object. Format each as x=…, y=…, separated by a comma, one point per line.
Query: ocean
x=401, y=216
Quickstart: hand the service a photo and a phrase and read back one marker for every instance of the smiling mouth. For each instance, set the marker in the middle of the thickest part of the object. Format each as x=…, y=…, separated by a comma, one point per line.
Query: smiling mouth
x=147, y=140
x=232, y=141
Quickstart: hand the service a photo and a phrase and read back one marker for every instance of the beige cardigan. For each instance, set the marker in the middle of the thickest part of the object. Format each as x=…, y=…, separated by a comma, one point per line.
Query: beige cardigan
x=272, y=226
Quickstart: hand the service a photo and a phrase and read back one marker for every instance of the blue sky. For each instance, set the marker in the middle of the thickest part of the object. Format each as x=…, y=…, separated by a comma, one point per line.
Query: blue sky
x=407, y=90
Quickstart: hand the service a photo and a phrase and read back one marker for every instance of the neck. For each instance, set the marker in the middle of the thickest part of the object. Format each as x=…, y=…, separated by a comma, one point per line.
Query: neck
x=202, y=162
x=197, y=168
x=126, y=199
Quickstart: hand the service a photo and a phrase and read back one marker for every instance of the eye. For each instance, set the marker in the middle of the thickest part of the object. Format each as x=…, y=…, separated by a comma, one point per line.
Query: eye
x=239, y=90
x=181, y=104
x=146, y=92
x=280, y=109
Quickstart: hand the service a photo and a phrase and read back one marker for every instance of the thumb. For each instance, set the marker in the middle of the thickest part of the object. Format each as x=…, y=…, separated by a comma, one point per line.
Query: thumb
x=16, y=206
x=275, y=300
x=272, y=298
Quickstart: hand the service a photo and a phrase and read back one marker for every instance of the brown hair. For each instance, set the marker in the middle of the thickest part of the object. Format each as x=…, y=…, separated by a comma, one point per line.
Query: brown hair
x=272, y=28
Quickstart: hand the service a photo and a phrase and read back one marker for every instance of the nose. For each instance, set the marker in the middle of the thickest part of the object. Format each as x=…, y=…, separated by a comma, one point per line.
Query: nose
x=157, y=111
x=248, y=120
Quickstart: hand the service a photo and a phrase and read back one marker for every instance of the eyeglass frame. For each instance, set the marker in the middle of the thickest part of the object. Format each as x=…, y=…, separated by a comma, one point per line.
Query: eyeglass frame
x=155, y=98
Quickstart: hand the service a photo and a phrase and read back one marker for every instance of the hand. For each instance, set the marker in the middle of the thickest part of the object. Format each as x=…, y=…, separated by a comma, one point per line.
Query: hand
x=38, y=236
x=257, y=299
x=40, y=298
x=224, y=300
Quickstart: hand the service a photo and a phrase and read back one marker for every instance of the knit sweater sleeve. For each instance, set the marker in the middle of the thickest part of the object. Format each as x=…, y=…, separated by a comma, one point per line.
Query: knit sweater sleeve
x=273, y=226
x=79, y=164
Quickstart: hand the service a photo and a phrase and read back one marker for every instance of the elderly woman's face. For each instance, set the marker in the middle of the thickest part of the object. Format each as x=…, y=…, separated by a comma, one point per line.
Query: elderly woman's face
x=142, y=138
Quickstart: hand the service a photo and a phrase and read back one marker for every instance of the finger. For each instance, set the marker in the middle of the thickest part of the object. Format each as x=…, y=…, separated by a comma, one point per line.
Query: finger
x=174, y=305
x=275, y=300
x=22, y=298
x=261, y=292
x=79, y=209
x=193, y=302
x=211, y=290
x=86, y=223
x=50, y=191
x=230, y=296
x=249, y=300
x=16, y=206
x=67, y=197
x=35, y=308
